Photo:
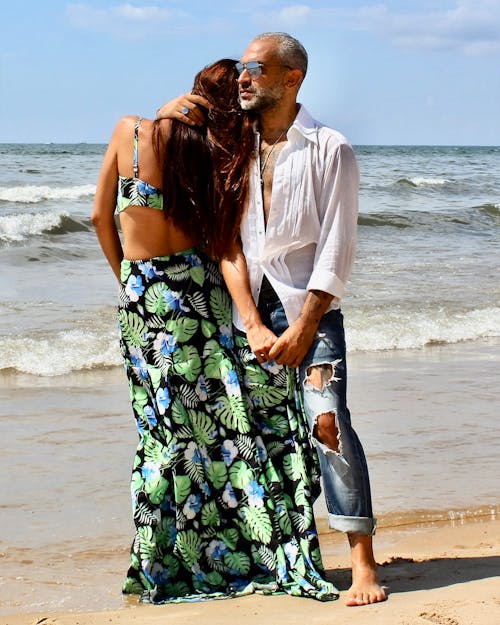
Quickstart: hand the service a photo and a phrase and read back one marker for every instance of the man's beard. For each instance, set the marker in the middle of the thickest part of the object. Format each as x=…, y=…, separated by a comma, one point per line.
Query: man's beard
x=263, y=99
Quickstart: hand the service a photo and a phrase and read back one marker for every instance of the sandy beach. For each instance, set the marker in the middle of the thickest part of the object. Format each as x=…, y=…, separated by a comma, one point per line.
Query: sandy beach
x=427, y=419
x=446, y=574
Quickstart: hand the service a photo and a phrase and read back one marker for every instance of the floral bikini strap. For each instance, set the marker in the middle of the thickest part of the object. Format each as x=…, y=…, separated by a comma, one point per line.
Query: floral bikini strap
x=136, y=146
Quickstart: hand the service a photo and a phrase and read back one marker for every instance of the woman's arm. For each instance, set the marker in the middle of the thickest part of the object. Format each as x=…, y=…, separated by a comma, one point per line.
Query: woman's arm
x=103, y=214
x=234, y=270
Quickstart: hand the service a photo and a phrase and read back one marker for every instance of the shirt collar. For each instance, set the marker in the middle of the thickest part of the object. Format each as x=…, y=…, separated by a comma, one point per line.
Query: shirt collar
x=303, y=124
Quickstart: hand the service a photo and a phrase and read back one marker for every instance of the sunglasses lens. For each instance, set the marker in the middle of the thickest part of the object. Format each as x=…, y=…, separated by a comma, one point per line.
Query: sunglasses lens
x=252, y=67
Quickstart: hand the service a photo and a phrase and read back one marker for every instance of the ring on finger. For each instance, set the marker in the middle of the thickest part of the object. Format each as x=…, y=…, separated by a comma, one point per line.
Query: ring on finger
x=185, y=110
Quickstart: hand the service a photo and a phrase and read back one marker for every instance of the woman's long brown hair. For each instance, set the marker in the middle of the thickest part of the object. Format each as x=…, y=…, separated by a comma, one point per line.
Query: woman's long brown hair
x=206, y=175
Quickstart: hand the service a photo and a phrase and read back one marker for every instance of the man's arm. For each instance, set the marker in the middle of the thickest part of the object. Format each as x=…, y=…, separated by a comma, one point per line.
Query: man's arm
x=235, y=272
x=292, y=346
x=338, y=203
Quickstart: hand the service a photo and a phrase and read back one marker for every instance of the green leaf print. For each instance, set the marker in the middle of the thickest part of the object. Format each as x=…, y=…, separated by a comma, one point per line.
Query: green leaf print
x=266, y=395
x=182, y=488
x=232, y=412
x=246, y=446
x=265, y=555
x=278, y=423
x=187, y=363
x=171, y=563
x=210, y=515
x=197, y=274
x=220, y=303
x=183, y=328
x=300, y=495
x=255, y=374
x=137, y=481
x=207, y=328
x=155, y=300
x=237, y=562
x=189, y=545
x=179, y=589
x=125, y=271
x=285, y=523
x=230, y=538
x=202, y=428
x=217, y=474
x=259, y=522
x=293, y=467
x=240, y=474
x=179, y=412
x=146, y=545
x=217, y=364
x=178, y=272
x=156, y=489
x=133, y=328
x=216, y=580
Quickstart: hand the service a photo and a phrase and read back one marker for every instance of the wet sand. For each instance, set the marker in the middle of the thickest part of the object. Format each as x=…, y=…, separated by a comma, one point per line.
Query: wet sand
x=428, y=420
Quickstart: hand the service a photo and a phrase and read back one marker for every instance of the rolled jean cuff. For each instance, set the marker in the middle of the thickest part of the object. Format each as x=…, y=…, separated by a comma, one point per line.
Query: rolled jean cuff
x=363, y=526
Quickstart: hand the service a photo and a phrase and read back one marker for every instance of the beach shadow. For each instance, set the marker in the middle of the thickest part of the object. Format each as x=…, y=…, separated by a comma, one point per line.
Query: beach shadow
x=406, y=574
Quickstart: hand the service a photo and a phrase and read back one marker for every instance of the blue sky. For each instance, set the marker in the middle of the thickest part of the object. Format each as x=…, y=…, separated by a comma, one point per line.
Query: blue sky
x=393, y=72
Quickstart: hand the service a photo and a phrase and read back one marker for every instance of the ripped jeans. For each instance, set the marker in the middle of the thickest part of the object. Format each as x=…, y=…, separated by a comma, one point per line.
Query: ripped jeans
x=344, y=471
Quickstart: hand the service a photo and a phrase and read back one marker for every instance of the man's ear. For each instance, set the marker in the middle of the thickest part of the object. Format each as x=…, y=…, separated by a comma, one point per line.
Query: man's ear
x=294, y=78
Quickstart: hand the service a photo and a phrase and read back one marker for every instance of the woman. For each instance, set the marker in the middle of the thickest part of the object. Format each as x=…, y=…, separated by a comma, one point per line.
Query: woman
x=222, y=496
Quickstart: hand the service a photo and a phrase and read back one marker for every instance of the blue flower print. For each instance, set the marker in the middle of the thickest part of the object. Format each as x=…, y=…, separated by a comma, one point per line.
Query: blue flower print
x=226, y=336
x=150, y=416
x=162, y=400
x=291, y=551
x=229, y=452
x=232, y=383
x=145, y=188
x=147, y=269
x=205, y=489
x=229, y=497
x=194, y=260
x=255, y=494
x=134, y=288
x=216, y=550
x=160, y=574
x=202, y=388
x=261, y=449
x=150, y=471
x=138, y=362
x=165, y=343
x=174, y=301
x=192, y=506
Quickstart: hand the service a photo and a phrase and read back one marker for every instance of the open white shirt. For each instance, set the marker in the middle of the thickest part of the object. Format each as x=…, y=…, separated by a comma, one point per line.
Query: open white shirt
x=310, y=239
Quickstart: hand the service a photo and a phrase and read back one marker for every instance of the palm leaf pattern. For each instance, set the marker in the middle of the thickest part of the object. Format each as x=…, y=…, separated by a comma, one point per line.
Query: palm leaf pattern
x=219, y=492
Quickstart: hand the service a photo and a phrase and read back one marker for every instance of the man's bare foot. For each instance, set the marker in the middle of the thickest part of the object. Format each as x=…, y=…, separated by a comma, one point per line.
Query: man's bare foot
x=365, y=587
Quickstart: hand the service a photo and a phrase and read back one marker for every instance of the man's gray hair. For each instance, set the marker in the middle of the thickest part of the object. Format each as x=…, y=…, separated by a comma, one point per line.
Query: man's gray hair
x=289, y=50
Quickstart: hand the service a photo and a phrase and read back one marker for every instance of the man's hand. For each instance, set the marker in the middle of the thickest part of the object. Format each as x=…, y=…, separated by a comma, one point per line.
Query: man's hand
x=292, y=346
x=185, y=108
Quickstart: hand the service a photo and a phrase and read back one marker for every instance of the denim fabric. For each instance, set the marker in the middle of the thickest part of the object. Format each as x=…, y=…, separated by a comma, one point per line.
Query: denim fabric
x=344, y=472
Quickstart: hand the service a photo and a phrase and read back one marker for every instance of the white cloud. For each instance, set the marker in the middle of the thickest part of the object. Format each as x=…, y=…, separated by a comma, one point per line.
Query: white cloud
x=470, y=26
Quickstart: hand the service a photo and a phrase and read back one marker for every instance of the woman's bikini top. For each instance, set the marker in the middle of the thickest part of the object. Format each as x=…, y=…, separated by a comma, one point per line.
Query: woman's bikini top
x=136, y=192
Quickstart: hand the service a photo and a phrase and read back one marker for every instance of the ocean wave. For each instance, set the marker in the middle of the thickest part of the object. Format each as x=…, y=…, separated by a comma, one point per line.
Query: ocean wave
x=422, y=181
x=33, y=194
x=60, y=353
x=380, y=330
x=26, y=225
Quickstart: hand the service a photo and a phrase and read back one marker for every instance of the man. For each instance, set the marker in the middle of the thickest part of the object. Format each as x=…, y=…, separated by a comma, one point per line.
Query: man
x=298, y=240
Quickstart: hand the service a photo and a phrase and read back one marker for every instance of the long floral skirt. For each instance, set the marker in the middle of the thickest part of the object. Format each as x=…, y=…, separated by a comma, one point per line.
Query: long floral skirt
x=224, y=476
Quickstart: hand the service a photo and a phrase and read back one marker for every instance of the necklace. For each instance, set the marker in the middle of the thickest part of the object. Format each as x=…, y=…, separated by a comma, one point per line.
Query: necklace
x=263, y=165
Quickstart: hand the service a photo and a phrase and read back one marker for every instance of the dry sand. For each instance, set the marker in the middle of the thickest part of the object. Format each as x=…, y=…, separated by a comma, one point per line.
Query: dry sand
x=441, y=573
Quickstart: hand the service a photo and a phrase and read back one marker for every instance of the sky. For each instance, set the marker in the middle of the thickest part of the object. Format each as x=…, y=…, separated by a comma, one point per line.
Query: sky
x=421, y=72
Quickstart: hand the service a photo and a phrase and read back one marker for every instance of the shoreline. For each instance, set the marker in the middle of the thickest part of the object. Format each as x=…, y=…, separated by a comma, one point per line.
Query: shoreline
x=440, y=573
x=67, y=526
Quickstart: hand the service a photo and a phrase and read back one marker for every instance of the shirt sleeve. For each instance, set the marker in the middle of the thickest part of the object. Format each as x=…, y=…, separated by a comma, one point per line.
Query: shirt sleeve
x=338, y=212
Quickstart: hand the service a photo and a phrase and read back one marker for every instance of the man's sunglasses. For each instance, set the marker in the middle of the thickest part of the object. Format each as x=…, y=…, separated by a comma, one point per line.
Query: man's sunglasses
x=254, y=68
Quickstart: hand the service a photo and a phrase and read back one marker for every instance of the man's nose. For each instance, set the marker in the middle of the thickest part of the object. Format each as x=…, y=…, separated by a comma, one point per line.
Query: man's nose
x=245, y=78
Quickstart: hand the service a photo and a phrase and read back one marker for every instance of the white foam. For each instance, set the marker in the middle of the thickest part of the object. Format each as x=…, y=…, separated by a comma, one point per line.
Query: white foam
x=376, y=330
x=32, y=194
x=73, y=350
x=423, y=181
x=22, y=226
